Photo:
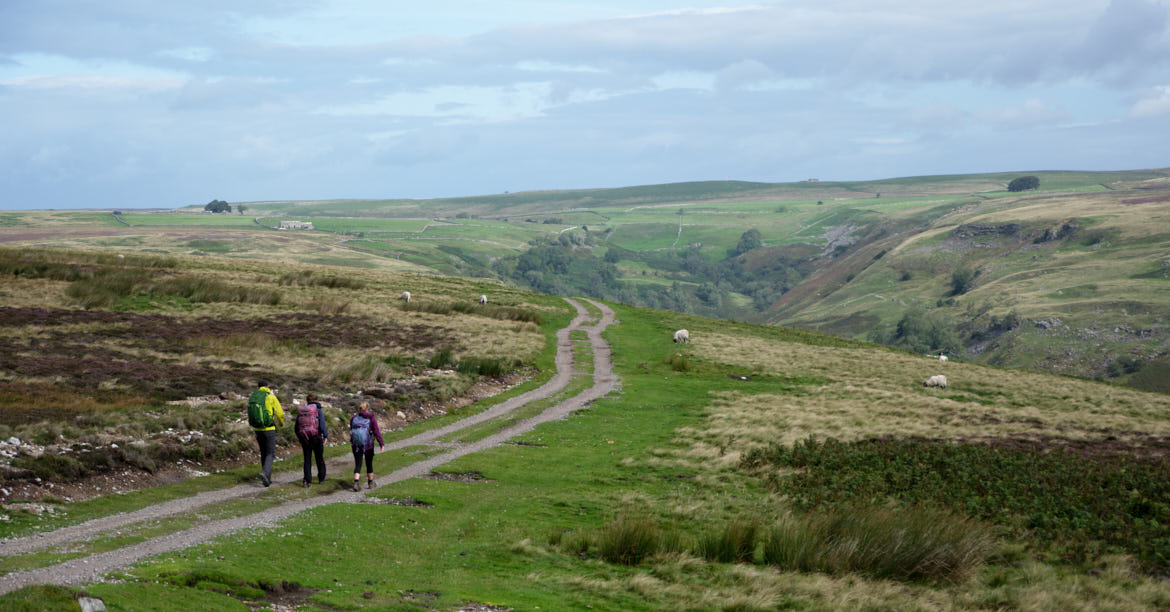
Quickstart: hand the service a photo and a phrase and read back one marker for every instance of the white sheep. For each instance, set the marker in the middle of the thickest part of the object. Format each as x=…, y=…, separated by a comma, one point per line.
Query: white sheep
x=482, y=300
x=942, y=358
x=938, y=380
x=405, y=297
x=682, y=336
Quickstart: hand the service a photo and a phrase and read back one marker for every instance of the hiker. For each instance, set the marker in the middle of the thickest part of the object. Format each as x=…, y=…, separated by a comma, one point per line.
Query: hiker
x=312, y=433
x=363, y=430
x=265, y=415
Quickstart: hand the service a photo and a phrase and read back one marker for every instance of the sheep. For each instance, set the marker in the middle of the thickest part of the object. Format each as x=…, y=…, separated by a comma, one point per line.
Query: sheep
x=405, y=297
x=942, y=358
x=482, y=300
x=938, y=380
x=682, y=336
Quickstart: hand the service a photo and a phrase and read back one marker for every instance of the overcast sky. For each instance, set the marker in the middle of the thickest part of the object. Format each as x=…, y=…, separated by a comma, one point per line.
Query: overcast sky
x=132, y=103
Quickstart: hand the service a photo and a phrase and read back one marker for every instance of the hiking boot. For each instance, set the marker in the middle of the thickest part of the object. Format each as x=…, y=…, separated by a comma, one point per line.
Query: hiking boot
x=264, y=479
x=370, y=484
x=305, y=484
x=356, y=487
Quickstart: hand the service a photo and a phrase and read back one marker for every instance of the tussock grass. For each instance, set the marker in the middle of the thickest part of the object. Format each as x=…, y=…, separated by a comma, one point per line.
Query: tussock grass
x=679, y=362
x=71, y=265
x=629, y=539
x=328, y=307
x=503, y=313
x=909, y=545
x=310, y=278
x=113, y=287
x=736, y=542
x=369, y=368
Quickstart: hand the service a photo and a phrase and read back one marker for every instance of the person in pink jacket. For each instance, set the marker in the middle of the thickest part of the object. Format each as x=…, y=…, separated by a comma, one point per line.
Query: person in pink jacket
x=363, y=431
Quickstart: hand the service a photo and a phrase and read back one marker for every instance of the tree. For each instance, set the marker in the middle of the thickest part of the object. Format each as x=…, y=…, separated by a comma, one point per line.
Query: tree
x=963, y=280
x=240, y=208
x=1024, y=183
x=748, y=241
x=217, y=206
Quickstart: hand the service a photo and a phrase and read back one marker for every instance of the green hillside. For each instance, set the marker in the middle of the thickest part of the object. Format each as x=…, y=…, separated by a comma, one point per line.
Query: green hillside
x=1067, y=278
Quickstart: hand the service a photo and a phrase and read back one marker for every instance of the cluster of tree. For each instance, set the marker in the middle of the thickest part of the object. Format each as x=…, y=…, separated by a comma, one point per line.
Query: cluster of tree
x=1024, y=183
x=218, y=206
x=567, y=265
x=920, y=332
x=963, y=280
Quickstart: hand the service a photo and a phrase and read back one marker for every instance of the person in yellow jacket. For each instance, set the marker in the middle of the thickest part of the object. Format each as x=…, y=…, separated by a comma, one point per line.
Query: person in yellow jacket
x=265, y=415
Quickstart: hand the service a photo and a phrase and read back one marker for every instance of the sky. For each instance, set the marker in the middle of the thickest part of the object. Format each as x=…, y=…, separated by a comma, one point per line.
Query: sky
x=134, y=103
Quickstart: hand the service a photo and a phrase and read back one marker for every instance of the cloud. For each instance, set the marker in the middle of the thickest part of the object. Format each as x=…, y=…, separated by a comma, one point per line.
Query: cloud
x=1155, y=104
x=1127, y=31
x=547, y=95
x=742, y=74
x=1031, y=112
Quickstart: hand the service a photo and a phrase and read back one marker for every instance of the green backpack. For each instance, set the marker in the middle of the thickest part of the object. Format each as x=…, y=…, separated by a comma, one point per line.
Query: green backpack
x=258, y=415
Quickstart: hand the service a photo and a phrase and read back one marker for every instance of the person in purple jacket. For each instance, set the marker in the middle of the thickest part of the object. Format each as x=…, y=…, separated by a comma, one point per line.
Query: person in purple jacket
x=312, y=433
x=363, y=430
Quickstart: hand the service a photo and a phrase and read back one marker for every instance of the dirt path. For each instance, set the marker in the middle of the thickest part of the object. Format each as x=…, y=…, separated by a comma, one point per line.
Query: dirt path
x=88, y=569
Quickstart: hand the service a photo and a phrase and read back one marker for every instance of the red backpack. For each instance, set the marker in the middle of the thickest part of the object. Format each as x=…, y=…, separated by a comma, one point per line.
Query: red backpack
x=307, y=422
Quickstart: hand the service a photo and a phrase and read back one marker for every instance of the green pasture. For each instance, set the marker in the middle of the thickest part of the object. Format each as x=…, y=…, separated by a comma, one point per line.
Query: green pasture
x=645, y=236
x=358, y=224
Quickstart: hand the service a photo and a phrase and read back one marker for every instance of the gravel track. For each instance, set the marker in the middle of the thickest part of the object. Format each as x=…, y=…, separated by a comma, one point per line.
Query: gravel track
x=88, y=569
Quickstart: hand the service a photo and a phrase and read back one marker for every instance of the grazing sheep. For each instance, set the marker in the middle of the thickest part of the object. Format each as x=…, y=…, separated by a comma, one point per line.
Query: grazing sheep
x=682, y=336
x=942, y=358
x=938, y=380
x=405, y=297
x=482, y=300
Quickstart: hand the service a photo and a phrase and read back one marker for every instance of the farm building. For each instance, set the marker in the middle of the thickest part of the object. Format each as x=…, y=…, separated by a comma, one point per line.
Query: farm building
x=296, y=225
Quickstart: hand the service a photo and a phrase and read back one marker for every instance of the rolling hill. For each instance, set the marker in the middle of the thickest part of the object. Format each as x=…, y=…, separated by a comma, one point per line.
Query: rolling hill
x=1067, y=278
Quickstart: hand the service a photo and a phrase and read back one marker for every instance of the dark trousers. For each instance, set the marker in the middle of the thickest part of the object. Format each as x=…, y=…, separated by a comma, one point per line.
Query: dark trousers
x=267, y=442
x=358, y=454
x=314, y=447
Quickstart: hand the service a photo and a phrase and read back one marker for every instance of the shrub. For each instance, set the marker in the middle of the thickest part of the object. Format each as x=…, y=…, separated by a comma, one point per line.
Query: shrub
x=1079, y=503
x=679, y=362
x=629, y=539
x=963, y=280
x=52, y=467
